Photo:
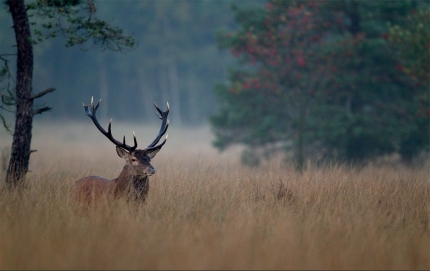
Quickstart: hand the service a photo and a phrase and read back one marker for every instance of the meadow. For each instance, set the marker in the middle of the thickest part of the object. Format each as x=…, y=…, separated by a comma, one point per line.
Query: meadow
x=207, y=211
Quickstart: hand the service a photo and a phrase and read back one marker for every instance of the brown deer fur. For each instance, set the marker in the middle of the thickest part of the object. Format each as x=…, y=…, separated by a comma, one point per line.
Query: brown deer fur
x=133, y=180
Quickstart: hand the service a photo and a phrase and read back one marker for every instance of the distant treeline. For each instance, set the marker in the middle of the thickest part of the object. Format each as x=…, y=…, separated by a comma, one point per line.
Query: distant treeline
x=176, y=60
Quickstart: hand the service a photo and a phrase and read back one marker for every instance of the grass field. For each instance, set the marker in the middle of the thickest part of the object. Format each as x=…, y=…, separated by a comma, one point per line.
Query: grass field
x=206, y=211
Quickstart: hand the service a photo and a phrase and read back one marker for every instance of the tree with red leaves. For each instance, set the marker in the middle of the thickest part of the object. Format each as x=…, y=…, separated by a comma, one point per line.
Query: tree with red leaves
x=318, y=78
x=285, y=47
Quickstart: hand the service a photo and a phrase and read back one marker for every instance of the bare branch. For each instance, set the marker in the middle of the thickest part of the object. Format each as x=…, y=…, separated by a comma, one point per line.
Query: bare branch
x=6, y=125
x=41, y=110
x=49, y=90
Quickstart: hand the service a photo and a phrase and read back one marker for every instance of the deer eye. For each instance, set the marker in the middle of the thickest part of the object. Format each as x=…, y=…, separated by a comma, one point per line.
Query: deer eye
x=133, y=159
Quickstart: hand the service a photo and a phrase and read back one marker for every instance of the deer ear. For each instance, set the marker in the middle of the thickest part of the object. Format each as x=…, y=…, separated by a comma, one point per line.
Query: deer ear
x=151, y=152
x=121, y=152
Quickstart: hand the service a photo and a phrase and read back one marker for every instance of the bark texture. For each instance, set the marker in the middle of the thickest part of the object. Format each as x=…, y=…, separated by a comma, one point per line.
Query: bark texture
x=20, y=153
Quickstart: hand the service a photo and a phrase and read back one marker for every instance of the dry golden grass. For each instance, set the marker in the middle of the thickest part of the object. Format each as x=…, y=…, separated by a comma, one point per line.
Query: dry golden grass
x=205, y=211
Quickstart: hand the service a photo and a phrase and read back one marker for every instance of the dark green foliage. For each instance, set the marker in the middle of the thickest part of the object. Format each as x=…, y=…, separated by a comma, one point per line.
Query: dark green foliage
x=76, y=20
x=329, y=83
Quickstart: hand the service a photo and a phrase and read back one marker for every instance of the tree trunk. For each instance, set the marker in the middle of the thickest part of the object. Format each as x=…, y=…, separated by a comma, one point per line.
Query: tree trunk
x=147, y=96
x=163, y=82
x=300, y=140
x=103, y=84
x=193, y=101
x=174, y=91
x=20, y=154
x=354, y=16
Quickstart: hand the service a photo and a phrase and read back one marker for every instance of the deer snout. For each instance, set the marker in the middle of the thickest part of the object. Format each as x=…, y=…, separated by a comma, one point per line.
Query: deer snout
x=150, y=171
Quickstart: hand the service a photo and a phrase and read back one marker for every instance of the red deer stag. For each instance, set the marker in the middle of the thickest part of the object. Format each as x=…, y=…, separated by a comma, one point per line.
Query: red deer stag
x=133, y=180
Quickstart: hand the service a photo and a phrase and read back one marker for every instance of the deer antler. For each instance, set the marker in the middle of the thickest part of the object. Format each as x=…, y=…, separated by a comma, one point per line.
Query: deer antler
x=164, y=125
x=91, y=110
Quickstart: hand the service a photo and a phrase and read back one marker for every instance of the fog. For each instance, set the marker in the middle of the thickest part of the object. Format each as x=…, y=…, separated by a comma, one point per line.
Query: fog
x=74, y=145
x=371, y=108
x=176, y=60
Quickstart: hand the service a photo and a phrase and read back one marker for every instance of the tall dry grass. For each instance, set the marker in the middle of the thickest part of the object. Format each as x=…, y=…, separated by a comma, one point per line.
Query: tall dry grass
x=205, y=211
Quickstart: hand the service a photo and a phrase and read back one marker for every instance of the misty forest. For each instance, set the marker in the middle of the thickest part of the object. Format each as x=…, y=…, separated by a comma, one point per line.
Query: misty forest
x=342, y=80
x=293, y=126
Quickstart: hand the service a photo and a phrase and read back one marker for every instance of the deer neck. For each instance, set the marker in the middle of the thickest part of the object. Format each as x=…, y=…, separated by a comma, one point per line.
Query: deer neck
x=127, y=182
x=140, y=187
x=125, y=179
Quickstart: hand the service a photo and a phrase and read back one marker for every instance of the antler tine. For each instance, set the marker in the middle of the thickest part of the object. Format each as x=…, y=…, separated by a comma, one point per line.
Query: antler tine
x=159, y=146
x=164, y=125
x=90, y=111
x=134, y=138
x=160, y=113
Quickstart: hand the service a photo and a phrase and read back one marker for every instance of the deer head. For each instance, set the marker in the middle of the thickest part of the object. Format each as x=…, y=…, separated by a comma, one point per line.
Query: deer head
x=138, y=161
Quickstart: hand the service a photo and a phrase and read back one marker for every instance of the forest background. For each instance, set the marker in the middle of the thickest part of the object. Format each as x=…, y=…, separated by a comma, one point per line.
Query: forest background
x=176, y=60
x=378, y=105
x=311, y=80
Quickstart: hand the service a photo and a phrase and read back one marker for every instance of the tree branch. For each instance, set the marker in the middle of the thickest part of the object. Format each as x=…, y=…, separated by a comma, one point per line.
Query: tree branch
x=42, y=93
x=41, y=110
